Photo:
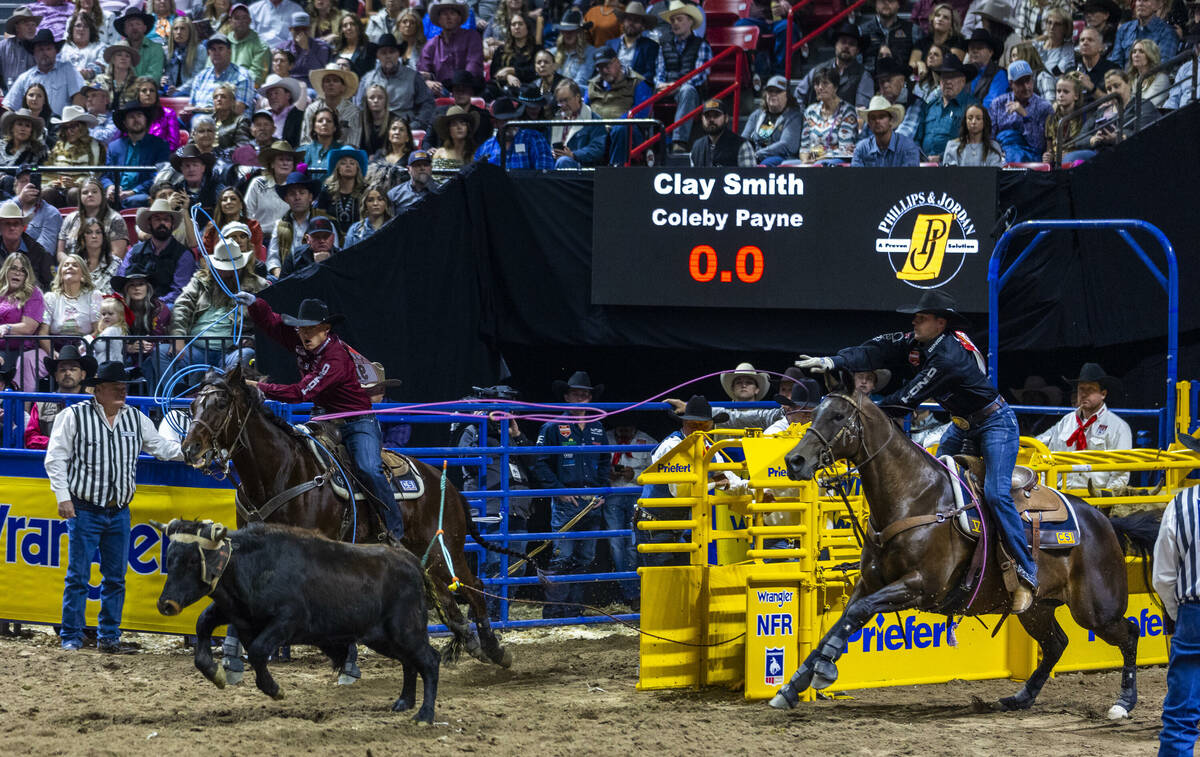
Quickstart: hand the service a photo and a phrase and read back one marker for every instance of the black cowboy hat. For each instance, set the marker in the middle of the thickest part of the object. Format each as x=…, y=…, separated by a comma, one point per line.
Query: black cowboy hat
x=112, y=372
x=131, y=12
x=118, y=283
x=464, y=78
x=806, y=395
x=698, y=409
x=889, y=66
x=191, y=151
x=387, y=39
x=848, y=29
x=1108, y=6
x=578, y=380
x=506, y=109
x=43, y=37
x=297, y=179
x=983, y=36
x=1092, y=373
x=1189, y=441
x=952, y=64
x=531, y=94
x=313, y=312
x=937, y=302
x=150, y=111
x=71, y=352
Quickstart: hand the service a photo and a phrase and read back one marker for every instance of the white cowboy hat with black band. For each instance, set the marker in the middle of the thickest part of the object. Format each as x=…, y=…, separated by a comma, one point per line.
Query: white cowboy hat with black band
x=228, y=256
x=746, y=369
x=275, y=81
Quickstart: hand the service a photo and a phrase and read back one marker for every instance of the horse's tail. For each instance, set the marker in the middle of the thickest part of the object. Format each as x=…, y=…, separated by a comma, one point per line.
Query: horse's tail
x=473, y=530
x=1137, y=534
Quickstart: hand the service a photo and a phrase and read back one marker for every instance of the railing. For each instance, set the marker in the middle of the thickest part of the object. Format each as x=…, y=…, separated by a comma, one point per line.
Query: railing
x=735, y=88
x=1165, y=67
x=631, y=122
x=790, y=47
x=1060, y=128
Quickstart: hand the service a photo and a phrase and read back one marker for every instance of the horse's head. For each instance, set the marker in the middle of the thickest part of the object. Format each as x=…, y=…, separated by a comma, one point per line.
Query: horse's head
x=834, y=434
x=218, y=415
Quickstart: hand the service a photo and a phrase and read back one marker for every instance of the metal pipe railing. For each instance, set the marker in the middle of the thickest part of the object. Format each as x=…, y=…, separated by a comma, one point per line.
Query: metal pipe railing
x=651, y=122
x=1163, y=68
x=1060, y=128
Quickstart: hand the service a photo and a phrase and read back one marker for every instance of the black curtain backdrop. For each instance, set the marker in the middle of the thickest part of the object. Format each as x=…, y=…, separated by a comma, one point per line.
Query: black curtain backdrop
x=492, y=277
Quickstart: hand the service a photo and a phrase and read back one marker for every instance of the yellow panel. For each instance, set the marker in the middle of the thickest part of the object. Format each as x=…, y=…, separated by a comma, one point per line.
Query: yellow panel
x=671, y=608
x=726, y=618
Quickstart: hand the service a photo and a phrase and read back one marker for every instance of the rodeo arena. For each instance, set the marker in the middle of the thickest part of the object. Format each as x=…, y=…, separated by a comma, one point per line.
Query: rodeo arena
x=534, y=377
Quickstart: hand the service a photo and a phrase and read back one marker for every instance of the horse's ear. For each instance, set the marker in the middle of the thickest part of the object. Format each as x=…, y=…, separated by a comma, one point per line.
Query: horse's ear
x=235, y=374
x=837, y=380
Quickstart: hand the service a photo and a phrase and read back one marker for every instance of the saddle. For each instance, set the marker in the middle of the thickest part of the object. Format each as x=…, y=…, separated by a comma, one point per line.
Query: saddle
x=1049, y=518
x=401, y=471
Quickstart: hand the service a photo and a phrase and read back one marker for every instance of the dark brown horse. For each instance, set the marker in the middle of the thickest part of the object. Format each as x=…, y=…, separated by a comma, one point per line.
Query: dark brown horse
x=923, y=567
x=230, y=424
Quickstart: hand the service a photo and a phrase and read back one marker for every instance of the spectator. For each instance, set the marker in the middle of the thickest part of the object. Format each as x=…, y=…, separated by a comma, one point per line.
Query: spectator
x=95, y=250
x=54, y=15
x=282, y=94
x=851, y=80
x=97, y=98
x=83, y=50
x=120, y=75
x=1032, y=18
x=221, y=70
x=204, y=137
x=1091, y=427
x=262, y=136
x=1143, y=58
x=407, y=97
x=720, y=147
x=454, y=49
x=523, y=149
x=891, y=81
x=164, y=13
x=376, y=118
x=419, y=185
x=928, y=86
x=538, y=107
x=886, y=35
x=213, y=17
x=341, y=192
x=678, y=57
x=22, y=307
x=133, y=25
x=386, y=19
x=22, y=140
x=58, y=78
x=1103, y=16
x=375, y=211
x=1092, y=64
x=884, y=147
x=455, y=130
x=576, y=144
x=72, y=306
x=605, y=22
x=43, y=218
x=325, y=136
x=399, y=145
x=203, y=306
x=1043, y=80
x=991, y=81
x=233, y=129
x=512, y=65
x=13, y=238
x=775, y=129
x=92, y=205
x=613, y=93
x=1146, y=24
x=1055, y=47
x=271, y=18
x=497, y=26
x=943, y=116
x=320, y=244
x=999, y=18
x=15, y=59
x=742, y=384
x=150, y=318
x=37, y=103
x=830, y=123
x=1181, y=90
x=465, y=86
x=281, y=66
x=636, y=50
x=298, y=191
x=178, y=199
x=618, y=509
x=69, y=370
x=1020, y=117
x=410, y=33
x=870, y=383
x=351, y=45
x=326, y=19
x=231, y=214
x=184, y=59
x=105, y=342
x=195, y=168
x=262, y=202
x=165, y=261
x=974, y=145
x=574, y=53
x=310, y=53
x=1068, y=96
x=166, y=124
x=248, y=51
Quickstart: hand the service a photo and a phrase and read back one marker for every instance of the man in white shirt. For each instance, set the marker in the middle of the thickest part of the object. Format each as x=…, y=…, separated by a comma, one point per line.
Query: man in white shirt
x=1091, y=427
x=272, y=21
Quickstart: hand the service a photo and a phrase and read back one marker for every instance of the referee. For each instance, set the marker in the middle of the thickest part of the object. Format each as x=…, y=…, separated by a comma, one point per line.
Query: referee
x=91, y=460
x=1177, y=581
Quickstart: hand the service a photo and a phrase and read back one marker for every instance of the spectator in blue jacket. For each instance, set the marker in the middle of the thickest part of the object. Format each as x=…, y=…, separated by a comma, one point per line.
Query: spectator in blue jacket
x=886, y=147
x=135, y=147
x=1019, y=118
x=636, y=51
x=943, y=116
x=1146, y=24
x=576, y=143
x=991, y=81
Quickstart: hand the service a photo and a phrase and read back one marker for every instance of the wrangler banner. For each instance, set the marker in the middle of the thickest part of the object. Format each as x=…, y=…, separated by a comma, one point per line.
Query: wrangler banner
x=33, y=541
x=792, y=238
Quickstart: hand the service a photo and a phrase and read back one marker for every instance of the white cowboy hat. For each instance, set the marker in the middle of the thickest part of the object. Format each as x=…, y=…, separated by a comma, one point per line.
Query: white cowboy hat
x=437, y=6
x=9, y=210
x=746, y=369
x=227, y=256
x=880, y=104
x=285, y=82
x=159, y=206
x=317, y=75
x=678, y=6
x=75, y=114
x=233, y=226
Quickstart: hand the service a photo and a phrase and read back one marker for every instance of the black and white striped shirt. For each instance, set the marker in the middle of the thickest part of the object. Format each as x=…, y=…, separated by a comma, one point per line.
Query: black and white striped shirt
x=91, y=459
x=1177, y=552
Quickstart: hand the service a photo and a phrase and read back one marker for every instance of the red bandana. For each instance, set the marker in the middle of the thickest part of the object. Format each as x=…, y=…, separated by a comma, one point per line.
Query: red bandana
x=1078, y=439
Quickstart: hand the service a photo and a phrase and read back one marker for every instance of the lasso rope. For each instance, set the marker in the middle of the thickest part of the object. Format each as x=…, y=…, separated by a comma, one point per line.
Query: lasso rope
x=440, y=537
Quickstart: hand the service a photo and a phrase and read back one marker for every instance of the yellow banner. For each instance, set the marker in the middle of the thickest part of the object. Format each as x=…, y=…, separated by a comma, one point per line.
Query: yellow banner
x=764, y=458
x=33, y=540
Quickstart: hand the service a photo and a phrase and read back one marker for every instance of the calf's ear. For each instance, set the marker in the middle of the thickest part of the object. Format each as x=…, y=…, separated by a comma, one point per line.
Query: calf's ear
x=158, y=526
x=218, y=532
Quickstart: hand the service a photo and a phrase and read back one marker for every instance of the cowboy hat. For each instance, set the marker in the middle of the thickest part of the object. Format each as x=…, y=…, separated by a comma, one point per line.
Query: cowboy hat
x=277, y=148
x=75, y=114
x=235, y=227
x=9, y=210
x=848, y=29
x=191, y=151
x=437, y=6
x=70, y=352
x=578, y=380
x=746, y=369
x=984, y=37
x=158, y=206
x=312, y=312
x=131, y=13
x=111, y=50
x=998, y=11
x=297, y=179
x=637, y=10
x=23, y=115
x=20, y=14
x=1092, y=373
x=806, y=395
x=678, y=6
x=149, y=111
x=442, y=124
x=317, y=76
x=118, y=283
x=464, y=78
x=572, y=21
x=386, y=40
x=878, y=104
x=936, y=302
x=698, y=409
x=112, y=372
x=531, y=94
x=345, y=151
x=506, y=109
x=889, y=66
x=1037, y=385
x=43, y=37
x=228, y=256
x=882, y=377
x=952, y=64
x=275, y=81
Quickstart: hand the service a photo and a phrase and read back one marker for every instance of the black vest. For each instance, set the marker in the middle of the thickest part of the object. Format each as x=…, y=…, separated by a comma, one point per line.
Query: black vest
x=723, y=153
x=160, y=269
x=675, y=64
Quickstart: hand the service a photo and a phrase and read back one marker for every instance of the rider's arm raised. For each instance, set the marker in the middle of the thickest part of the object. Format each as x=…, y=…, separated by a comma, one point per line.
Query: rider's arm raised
x=270, y=324
x=884, y=351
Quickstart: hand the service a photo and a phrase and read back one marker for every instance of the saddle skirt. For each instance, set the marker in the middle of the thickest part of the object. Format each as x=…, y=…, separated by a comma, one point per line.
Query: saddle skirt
x=400, y=470
x=1048, y=516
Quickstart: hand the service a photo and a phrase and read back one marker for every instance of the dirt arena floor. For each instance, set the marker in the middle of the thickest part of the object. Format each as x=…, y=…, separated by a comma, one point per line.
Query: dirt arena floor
x=570, y=692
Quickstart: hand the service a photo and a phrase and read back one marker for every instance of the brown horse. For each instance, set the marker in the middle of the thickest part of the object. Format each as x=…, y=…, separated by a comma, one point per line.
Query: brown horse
x=923, y=566
x=231, y=425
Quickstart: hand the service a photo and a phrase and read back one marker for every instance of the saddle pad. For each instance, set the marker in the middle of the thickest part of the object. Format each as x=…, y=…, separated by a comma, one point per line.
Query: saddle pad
x=402, y=472
x=1053, y=535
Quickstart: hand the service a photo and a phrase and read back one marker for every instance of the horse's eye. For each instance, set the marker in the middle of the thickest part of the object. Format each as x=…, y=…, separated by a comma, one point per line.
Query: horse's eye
x=839, y=417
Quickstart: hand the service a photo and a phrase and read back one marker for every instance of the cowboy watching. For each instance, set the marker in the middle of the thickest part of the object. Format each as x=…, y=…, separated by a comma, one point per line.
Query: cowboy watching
x=885, y=147
x=1091, y=426
x=69, y=370
x=166, y=262
x=679, y=55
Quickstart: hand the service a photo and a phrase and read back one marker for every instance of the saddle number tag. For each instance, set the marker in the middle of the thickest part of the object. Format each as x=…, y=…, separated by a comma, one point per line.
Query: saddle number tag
x=407, y=485
x=1066, y=537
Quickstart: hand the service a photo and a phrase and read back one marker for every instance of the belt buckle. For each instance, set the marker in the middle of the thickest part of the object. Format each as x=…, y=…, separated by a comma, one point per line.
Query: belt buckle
x=961, y=422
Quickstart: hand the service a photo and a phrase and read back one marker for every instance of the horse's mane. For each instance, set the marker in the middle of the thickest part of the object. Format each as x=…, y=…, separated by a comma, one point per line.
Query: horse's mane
x=256, y=400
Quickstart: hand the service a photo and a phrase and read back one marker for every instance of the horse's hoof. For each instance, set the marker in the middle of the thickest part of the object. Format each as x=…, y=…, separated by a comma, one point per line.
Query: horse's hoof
x=401, y=705
x=1117, y=712
x=278, y=695
x=1010, y=704
x=824, y=674
x=346, y=680
x=219, y=677
x=785, y=698
x=505, y=660
x=423, y=718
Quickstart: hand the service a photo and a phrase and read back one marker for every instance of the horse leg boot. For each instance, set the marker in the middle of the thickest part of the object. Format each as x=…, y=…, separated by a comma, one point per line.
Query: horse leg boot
x=819, y=669
x=1040, y=624
x=1123, y=634
x=231, y=649
x=350, y=673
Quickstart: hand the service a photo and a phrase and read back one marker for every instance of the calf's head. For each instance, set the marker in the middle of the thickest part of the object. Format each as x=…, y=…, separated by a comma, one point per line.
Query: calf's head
x=197, y=555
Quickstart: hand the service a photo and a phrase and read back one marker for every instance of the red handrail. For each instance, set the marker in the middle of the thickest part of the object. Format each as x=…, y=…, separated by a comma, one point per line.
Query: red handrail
x=735, y=87
x=793, y=47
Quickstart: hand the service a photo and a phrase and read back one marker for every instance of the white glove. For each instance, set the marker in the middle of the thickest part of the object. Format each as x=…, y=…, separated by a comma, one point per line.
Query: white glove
x=815, y=364
x=244, y=298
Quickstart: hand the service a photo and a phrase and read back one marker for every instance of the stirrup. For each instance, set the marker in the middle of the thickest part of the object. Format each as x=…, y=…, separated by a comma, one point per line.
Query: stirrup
x=1022, y=599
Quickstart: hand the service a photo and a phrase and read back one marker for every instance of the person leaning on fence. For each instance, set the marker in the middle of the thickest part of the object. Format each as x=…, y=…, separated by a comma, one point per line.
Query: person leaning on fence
x=1091, y=427
x=69, y=370
x=680, y=53
x=91, y=461
x=572, y=470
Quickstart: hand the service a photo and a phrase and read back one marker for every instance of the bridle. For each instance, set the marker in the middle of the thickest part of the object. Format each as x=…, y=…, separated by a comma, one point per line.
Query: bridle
x=221, y=457
x=852, y=432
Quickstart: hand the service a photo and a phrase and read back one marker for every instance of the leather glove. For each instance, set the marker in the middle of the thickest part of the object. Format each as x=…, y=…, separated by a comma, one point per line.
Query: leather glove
x=245, y=299
x=815, y=364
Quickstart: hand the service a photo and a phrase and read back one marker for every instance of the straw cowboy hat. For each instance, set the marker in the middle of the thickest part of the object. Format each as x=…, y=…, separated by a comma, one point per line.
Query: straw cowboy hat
x=438, y=6
x=880, y=104
x=317, y=75
x=121, y=47
x=746, y=369
x=20, y=14
x=20, y=115
x=678, y=6
x=698, y=409
x=159, y=206
x=75, y=114
x=228, y=256
x=9, y=211
x=277, y=148
x=275, y=81
x=442, y=124
x=637, y=10
x=578, y=380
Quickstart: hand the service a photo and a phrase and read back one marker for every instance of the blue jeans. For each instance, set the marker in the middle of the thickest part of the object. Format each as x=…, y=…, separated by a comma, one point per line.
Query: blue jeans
x=363, y=439
x=687, y=99
x=1181, y=706
x=570, y=555
x=998, y=439
x=618, y=513
x=91, y=530
x=566, y=162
